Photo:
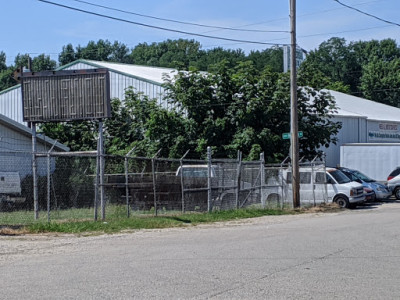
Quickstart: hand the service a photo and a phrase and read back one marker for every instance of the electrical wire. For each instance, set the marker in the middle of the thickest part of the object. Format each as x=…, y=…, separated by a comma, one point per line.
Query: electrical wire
x=156, y=27
x=367, y=14
x=181, y=22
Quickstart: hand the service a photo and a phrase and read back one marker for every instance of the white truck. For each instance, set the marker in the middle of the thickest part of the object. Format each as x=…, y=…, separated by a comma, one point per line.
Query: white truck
x=375, y=160
x=10, y=190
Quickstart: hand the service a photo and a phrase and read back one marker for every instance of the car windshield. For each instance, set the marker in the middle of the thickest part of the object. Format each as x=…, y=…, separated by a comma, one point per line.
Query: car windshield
x=339, y=176
x=363, y=177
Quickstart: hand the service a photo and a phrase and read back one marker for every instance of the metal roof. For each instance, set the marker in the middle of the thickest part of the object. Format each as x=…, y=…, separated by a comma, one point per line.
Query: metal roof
x=352, y=106
x=146, y=73
x=348, y=105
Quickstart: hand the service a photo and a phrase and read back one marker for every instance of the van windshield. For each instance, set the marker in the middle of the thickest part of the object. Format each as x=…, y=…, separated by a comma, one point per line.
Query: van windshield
x=339, y=176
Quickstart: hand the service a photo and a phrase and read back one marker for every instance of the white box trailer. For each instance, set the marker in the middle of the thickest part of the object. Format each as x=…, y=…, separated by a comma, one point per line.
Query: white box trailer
x=375, y=160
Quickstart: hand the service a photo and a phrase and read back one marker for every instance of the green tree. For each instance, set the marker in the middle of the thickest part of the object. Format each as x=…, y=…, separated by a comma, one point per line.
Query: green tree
x=381, y=81
x=43, y=62
x=102, y=50
x=248, y=110
x=170, y=53
x=3, y=65
x=67, y=55
x=336, y=61
x=272, y=58
x=78, y=136
x=6, y=79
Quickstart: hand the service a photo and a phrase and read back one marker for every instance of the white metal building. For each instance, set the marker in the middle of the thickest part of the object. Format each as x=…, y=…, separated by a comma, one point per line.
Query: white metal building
x=364, y=121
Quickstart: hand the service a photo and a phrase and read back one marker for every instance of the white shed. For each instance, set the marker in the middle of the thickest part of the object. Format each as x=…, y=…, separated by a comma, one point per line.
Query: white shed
x=363, y=121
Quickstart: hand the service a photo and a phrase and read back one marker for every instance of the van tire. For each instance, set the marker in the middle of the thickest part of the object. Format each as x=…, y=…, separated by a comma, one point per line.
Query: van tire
x=342, y=201
x=397, y=192
x=273, y=200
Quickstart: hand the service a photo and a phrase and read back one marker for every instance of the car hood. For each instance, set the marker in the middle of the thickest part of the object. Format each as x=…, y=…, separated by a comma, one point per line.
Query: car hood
x=352, y=184
x=377, y=185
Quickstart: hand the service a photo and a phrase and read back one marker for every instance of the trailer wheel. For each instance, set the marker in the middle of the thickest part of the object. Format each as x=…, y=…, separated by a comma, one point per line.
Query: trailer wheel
x=342, y=201
x=397, y=192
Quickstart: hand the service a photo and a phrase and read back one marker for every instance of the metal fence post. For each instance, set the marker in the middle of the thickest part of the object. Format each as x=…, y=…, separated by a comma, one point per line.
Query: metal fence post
x=101, y=159
x=262, y=183
x=153, y=170
x=325, y=183
x=313, y=178
x=34, y=174
x=209, y=174
x=282, y=180
x=238, y=178
x=96, y=185
x=127, y=181
x=49, y=182
x=182, y=183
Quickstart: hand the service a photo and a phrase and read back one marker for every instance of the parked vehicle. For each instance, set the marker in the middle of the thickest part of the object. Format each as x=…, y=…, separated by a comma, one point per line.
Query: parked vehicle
x=375, y=160
x=379, y=191
x=393, y=182
x=10, y=190
x=196, y=171
x=342, y=190
x=339, y=188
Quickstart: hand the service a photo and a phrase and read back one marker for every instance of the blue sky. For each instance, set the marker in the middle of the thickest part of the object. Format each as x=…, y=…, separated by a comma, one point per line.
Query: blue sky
x=31, y=26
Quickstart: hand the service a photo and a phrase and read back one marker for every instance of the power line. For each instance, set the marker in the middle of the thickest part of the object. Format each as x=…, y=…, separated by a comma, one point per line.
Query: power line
x=180, y=22
x=367, y=14
x=156, y=27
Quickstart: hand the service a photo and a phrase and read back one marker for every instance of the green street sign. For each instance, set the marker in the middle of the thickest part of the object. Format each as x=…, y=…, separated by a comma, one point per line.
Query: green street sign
x=286, y=135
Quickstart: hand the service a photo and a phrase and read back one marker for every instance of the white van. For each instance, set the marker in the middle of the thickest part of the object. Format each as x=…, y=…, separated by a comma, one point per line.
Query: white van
x=339, y=188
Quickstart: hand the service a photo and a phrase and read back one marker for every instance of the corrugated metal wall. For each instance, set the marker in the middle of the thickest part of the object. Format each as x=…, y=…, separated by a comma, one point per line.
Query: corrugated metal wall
x=119, y=83
x=11, y=104
x=15, y=152
x=354, y=130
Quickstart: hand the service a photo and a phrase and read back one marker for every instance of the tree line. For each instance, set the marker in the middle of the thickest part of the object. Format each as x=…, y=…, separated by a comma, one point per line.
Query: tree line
x=178, y=54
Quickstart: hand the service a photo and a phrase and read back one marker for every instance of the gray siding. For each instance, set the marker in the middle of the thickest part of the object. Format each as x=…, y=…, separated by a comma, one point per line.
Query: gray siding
x=353, y=131
x=15, y=153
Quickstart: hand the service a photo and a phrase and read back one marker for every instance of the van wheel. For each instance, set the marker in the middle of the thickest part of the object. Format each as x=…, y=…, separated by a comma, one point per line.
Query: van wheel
x=273, y=200
x=397, y=193
x=342, y=201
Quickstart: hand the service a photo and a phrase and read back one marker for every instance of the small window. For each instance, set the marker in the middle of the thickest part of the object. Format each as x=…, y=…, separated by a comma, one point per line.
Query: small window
x=395, y=172
x=305, y=177
x=320, y=177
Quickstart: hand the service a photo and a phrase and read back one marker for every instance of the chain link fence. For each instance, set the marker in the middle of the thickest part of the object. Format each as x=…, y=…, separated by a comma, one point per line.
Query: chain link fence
x=82, y=186
x=277, y=188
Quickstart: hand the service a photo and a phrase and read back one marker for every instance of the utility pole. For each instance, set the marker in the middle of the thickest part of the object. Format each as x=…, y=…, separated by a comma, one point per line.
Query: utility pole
x=294, y=129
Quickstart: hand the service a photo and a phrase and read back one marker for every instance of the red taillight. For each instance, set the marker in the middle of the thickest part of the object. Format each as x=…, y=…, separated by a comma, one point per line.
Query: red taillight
x=390, y=178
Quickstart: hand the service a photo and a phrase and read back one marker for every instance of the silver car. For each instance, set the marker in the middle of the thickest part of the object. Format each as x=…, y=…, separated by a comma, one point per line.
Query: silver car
x=393, y=182
x=380, y=191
